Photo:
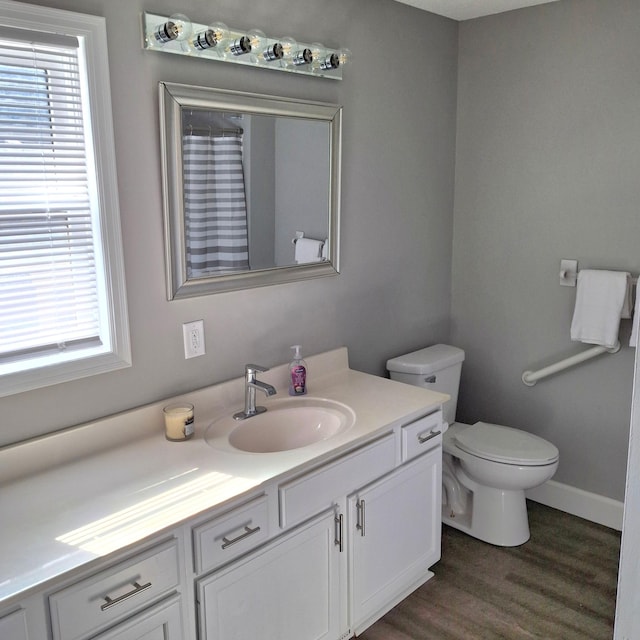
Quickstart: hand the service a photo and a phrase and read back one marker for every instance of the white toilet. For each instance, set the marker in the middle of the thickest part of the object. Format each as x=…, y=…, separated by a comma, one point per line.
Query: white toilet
x=486, y=467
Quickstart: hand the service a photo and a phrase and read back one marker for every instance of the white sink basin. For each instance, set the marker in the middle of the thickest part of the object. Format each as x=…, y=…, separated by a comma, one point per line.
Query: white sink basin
x=286, y=425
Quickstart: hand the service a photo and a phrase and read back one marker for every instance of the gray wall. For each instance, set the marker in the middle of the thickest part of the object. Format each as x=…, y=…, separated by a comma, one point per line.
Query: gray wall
x=259, y=145
x=399, y=134
x=548, y=151
x=302, y=159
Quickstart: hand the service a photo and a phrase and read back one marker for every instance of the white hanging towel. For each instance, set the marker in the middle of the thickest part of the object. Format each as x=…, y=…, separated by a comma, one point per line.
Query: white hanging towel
x=599, y=303
x=627, y=306
x=307, y=250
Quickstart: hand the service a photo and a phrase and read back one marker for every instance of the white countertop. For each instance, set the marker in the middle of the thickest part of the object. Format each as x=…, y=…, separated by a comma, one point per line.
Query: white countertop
x=74, y=496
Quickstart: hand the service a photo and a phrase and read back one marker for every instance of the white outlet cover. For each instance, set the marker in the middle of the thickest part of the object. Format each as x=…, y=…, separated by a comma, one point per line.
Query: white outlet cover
x=193, y=336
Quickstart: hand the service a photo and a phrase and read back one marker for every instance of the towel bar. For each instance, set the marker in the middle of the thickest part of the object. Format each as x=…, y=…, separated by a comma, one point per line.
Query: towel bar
x=531, y=377
x=569, y=274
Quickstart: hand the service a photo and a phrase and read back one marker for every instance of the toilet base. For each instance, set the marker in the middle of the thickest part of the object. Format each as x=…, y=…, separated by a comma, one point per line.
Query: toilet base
x=493, y=515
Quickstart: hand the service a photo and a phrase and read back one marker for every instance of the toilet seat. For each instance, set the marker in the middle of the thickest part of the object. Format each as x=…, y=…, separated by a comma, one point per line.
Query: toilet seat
x=505, y=444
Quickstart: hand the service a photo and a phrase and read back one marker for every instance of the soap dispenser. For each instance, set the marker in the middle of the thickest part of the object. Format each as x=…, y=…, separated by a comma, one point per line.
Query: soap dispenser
x=297, y=374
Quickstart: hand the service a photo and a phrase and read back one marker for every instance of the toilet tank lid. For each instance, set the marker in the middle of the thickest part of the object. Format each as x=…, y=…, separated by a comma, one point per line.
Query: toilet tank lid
x=428, y=360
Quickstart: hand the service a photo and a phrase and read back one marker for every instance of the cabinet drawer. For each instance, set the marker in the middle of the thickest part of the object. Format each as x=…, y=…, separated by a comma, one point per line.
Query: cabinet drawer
x=421, y=435
x=94, y=603
x=14, y=626
x=230, y=535
x=315, y=491
x=159, y=622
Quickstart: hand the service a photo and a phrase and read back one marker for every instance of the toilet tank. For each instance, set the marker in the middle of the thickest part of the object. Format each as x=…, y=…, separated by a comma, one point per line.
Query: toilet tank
x=437, y=368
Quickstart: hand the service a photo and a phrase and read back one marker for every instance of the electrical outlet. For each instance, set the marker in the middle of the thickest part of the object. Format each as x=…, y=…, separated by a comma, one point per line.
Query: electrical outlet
x=193, y=334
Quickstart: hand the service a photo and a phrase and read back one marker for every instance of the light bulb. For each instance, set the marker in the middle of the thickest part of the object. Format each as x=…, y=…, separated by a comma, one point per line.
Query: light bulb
x=289, y=47
x=178, y=27
x=344, y=55
x=258, y=40
x=212, y=36
x=317, y=54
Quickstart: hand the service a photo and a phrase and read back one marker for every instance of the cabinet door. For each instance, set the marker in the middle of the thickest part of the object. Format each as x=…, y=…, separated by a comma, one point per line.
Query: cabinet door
x=14, y=626
x=162, y=622
x=394, y=537
x=289, y=590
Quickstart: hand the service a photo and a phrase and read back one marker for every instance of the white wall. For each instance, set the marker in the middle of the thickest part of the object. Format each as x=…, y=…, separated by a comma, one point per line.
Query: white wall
x=393, y=294
x=548, y=151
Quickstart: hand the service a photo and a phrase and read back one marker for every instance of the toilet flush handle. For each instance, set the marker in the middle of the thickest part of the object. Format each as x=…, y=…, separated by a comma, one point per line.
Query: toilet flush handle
x=430, y=380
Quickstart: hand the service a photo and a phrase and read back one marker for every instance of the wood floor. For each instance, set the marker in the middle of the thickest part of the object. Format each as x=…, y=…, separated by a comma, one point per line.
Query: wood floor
x=561, y=585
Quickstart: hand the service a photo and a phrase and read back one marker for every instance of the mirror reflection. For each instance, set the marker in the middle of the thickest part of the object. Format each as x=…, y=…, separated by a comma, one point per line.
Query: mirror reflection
x=251, y=189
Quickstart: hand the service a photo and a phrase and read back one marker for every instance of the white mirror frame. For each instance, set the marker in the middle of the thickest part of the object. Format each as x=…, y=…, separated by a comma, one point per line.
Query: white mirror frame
x=173, y=97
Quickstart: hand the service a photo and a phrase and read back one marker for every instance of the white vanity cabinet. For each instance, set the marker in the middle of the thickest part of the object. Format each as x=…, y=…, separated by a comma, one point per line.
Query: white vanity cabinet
x=370, y=548
x=308, y=544
x=291, y=589
x=394, y=537
x=295, y=588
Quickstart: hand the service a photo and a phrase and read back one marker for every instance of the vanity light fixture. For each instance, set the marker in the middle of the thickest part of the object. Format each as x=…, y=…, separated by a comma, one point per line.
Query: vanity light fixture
x=177, y=34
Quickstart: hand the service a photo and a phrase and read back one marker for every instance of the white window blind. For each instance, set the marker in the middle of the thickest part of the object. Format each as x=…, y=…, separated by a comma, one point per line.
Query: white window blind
x=48, y=296
x=62, y=310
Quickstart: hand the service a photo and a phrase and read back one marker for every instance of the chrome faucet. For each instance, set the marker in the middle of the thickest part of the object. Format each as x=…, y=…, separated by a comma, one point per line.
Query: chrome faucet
x=250, y=386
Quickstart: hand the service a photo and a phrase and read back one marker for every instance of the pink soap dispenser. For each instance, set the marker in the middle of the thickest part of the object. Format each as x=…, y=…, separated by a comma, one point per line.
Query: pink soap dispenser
x=297, y=374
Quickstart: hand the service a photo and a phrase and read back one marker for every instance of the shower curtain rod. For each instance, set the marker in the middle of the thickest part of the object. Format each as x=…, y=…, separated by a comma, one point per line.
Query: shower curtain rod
x=213, y=130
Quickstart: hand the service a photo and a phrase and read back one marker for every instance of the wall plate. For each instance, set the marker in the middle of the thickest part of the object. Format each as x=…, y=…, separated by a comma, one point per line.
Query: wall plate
x=193, y=335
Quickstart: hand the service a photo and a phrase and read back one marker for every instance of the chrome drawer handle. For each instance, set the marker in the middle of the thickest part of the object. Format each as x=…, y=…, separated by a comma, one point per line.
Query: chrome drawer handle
x=360, y=517
x=112, y=602
x=338, y=537
x=422, y=438
x=248, y=531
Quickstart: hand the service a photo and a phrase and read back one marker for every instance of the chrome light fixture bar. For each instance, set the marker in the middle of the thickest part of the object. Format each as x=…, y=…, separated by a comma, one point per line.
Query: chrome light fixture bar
x=215, y=41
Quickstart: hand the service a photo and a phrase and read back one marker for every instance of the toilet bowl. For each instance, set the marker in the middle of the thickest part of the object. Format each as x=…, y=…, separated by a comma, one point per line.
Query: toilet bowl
x=486, y=467
x=489, y=469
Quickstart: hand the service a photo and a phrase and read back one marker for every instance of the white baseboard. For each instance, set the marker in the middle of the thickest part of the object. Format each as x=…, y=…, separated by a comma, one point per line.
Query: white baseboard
x=577, y=502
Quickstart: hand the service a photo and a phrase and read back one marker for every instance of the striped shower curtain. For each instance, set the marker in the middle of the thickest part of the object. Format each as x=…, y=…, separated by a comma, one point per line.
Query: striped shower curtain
x=215, y=205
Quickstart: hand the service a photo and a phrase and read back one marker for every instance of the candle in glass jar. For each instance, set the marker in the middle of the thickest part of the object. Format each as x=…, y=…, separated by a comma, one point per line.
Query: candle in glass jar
x=178, y=421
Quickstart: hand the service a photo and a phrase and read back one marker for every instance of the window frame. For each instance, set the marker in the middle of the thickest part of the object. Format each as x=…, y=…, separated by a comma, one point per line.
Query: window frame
x=90, y=32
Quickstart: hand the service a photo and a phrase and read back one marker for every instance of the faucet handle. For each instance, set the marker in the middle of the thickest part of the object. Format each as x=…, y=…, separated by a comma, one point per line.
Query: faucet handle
x=249, y=368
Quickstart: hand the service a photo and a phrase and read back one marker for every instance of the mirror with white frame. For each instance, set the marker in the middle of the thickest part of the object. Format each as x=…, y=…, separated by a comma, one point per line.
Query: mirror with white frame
x=251, y=187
